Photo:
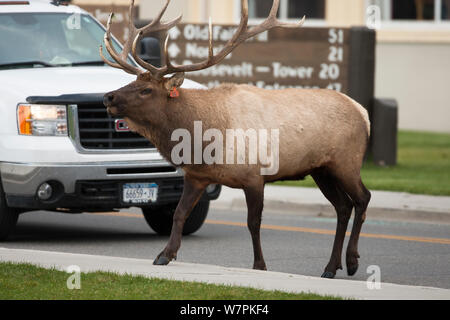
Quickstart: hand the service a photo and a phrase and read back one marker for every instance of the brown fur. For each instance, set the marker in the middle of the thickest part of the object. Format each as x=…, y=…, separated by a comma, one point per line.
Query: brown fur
x=322, y=132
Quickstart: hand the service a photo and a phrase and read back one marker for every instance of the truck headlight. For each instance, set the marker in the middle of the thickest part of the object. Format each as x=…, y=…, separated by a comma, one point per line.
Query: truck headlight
x=42, y=120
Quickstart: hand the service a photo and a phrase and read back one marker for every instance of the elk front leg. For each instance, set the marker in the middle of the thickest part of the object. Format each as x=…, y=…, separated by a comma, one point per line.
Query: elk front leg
x=255, y=202
x=192, y=192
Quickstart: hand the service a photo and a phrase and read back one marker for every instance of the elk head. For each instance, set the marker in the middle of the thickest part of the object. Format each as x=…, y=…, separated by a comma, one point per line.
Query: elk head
x=152, y=90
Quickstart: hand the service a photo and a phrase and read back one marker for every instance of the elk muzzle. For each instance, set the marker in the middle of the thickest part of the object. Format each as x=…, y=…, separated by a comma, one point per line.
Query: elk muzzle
x=110, y=100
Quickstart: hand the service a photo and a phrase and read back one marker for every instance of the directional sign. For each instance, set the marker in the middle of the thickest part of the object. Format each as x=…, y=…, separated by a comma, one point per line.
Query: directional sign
x=174, y=33
x=173, y=50
x=279, y=58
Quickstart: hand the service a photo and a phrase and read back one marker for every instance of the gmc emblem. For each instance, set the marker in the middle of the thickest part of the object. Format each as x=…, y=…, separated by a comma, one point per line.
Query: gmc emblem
x=121, y=126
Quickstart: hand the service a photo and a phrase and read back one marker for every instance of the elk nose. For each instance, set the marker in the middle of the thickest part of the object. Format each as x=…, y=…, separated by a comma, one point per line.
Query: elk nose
x=108, y=99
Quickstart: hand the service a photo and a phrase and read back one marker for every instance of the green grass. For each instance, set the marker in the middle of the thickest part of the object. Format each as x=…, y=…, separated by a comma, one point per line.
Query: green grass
x=27, y=282
x=423, y=166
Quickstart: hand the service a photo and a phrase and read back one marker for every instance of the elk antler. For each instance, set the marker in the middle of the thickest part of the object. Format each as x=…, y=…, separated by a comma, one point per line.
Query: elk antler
x=121, y=58
x=242, y=34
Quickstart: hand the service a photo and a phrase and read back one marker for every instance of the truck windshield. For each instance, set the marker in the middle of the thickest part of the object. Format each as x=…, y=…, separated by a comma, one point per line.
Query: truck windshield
x=31, y=40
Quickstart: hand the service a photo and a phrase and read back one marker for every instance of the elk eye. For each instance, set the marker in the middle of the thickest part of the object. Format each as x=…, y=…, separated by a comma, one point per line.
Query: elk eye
x=146, y=91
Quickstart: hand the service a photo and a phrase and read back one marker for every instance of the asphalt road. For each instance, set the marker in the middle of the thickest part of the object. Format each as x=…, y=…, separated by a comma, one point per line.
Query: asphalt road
x=406, y=252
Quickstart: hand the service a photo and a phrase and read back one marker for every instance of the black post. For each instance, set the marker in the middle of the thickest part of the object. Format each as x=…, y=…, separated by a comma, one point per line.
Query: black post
x=384, y=132
x=362, y=66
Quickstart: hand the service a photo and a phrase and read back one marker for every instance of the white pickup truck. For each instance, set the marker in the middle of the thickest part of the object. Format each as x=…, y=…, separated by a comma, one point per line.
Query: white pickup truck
x=59, y=149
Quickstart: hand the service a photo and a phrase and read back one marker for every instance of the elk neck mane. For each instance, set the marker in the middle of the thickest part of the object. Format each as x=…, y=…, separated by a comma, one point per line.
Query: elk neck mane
x=181, y=113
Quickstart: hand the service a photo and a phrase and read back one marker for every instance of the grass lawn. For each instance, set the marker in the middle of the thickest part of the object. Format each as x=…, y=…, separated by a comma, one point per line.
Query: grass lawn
x=27, y=282
x=423, y=166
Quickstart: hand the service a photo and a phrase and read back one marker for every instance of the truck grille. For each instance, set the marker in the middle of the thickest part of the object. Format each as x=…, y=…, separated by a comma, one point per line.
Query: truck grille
x=97, y=131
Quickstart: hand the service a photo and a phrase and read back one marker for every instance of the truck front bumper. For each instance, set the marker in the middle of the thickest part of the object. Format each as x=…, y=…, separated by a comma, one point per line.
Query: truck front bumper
x=89, y=187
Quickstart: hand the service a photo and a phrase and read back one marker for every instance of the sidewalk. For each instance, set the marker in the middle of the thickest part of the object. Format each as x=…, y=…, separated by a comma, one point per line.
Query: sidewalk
x=311, y=202
x=220, y=275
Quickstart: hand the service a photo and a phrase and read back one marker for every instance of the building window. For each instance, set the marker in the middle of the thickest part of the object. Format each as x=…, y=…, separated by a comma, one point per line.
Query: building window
x=259, y=9
x=413, y=10
x=445, y=10
x=313, y=9
x=289, y=9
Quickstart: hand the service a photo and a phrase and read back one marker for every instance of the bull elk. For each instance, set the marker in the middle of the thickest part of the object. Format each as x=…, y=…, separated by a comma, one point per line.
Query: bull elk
x=322, y=133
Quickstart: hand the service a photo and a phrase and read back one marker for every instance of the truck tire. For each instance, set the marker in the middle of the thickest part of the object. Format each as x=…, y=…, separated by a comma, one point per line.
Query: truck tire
x=161, y=219
x=8, y=217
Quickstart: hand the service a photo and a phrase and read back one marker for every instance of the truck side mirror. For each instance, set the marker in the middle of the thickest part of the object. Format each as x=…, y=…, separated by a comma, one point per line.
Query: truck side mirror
x=150, y=51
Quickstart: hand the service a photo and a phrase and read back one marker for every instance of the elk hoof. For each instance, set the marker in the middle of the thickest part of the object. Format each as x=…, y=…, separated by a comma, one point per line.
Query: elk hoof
x=328, y=275
x=351, y=270
x=260, y=266
x=161, y=260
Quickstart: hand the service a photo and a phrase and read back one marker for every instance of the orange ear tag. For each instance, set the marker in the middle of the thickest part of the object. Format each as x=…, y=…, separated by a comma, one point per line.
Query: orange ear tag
x=174, y=93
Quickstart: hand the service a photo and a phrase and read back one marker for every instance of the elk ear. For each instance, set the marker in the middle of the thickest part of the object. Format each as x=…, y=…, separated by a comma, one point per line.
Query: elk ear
x=174, y=82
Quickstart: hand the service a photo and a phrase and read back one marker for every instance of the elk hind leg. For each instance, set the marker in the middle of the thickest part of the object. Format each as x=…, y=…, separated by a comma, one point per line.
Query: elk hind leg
x=361, y=198
x=331, y=189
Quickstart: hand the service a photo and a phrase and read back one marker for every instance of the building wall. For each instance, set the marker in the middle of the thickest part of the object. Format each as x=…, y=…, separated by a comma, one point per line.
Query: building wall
x=349, y=14
x=221, y=11
x=190, y=9
x=418, y=76
x=193, y=10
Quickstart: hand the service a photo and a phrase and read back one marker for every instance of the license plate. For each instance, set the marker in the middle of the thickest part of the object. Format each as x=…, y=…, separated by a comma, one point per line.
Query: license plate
x=139, y=193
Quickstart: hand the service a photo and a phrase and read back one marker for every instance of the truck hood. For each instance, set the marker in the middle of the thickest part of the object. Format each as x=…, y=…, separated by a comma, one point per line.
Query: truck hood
x=22, y=83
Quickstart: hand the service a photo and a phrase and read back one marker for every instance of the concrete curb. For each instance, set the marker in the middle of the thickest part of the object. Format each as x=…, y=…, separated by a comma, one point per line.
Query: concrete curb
x=310, y=202
x=221, y=275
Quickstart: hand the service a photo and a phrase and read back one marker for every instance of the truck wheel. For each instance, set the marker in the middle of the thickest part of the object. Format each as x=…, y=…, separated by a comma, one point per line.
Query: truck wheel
x=161, y=219
x=8, y=217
